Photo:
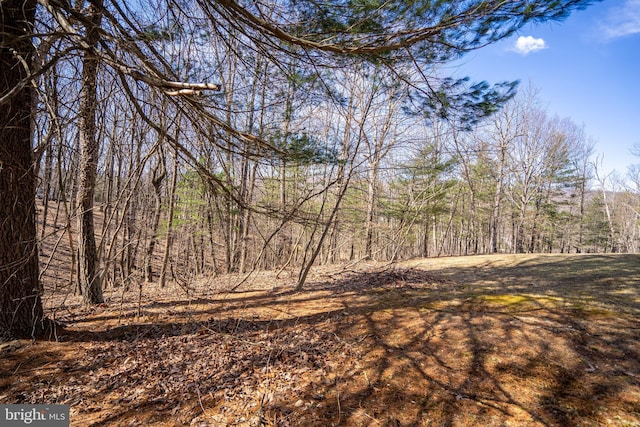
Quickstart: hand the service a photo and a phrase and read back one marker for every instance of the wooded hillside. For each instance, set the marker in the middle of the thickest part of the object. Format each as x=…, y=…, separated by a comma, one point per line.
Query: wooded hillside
x=263, y=212
x=179, y=139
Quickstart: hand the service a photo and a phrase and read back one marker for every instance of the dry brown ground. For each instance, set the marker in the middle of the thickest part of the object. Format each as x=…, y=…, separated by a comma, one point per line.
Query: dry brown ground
x=528, y=340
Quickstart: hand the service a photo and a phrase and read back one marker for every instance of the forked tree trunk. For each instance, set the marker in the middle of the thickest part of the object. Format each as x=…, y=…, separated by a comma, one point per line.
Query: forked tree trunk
x=159, y=174
x=20, y=303
x=169, y=238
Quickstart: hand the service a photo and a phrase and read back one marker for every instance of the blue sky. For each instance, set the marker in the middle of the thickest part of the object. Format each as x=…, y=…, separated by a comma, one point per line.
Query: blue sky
x=586, y=67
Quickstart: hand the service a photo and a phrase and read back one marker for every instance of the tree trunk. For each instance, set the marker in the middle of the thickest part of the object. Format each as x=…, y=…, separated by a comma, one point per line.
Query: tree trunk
x=583, y=184
x=249, y=180
x=21, y=311
x=88, y=262
x=159, y=174
x=304, y=272
x=534, y=240
x=372, y=194
x=519, y=244
x=612, y=231
x=169, y=238
x=497, y=197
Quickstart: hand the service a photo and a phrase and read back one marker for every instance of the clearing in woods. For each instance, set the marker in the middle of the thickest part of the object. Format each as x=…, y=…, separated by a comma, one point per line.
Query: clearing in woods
x=522, y=340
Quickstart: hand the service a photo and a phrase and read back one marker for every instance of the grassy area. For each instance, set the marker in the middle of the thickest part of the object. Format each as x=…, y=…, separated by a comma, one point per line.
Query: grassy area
x=522, y=340
x=583, y=281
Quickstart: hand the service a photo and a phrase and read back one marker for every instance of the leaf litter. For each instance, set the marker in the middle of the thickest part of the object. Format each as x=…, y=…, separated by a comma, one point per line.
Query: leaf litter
x=365, y=346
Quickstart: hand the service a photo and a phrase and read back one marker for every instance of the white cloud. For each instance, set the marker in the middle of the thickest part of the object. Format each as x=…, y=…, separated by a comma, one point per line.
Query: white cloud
x=525, y=45
x=623, y=20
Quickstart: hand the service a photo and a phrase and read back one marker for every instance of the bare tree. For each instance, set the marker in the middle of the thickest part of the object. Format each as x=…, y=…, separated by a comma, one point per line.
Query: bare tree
x=604, y=181
x=159, y=173
x=581, y=160
x=88, y=261
x=380, y=137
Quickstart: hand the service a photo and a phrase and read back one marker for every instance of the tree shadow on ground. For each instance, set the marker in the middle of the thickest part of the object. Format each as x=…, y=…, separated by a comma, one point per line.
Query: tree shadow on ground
x=392, y=347
x=608, y=281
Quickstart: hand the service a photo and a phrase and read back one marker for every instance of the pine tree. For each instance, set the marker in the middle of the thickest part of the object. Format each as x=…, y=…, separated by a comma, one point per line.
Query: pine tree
x=20, y=304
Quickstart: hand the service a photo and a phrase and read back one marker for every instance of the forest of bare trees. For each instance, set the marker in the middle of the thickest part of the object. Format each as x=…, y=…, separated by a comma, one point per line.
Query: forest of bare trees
x=172, y=140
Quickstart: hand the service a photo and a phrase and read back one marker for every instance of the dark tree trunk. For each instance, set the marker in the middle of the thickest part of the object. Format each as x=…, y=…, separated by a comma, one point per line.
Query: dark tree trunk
x=21, y=312
x=159, y=174
x=89, y=277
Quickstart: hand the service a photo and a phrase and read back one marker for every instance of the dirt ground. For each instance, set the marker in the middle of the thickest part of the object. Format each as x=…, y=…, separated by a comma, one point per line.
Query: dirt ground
x=505, y=340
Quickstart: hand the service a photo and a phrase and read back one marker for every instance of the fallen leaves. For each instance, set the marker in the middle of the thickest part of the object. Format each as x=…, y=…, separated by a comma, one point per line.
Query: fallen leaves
x=232, y=365
x=389, y=346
